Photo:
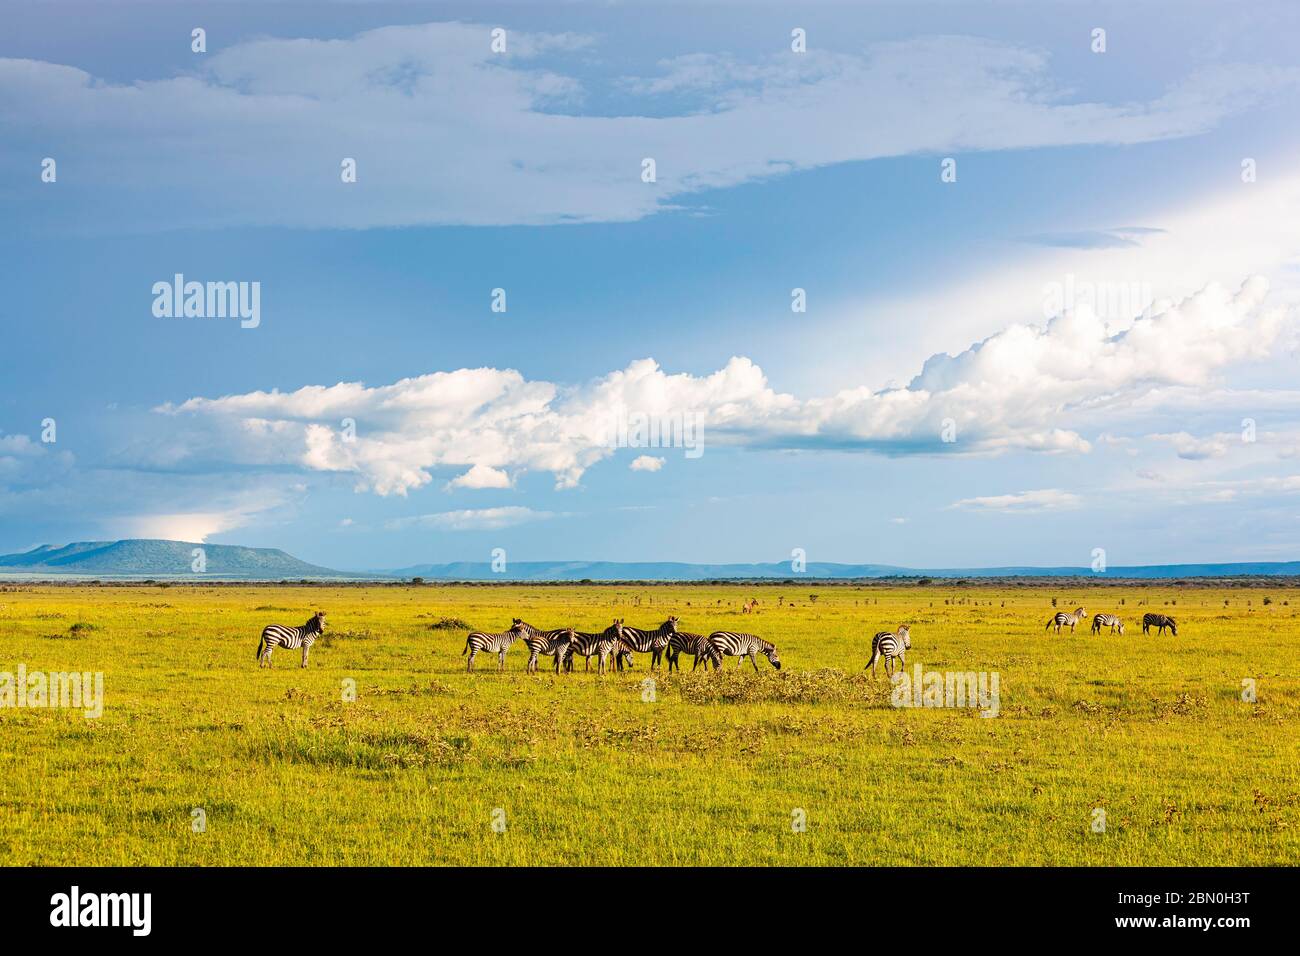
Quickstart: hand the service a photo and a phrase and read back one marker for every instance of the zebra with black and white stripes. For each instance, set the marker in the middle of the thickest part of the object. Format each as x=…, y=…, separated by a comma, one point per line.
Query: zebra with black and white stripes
x=588, y=645
x=890, y=644
x=643, y=641
x=684, y=642
x=1160, y=621
x=554, y=643
x=1061, y=619
x=280, y=635
x=496, y=644
x=741, y=645
x=1107, y=620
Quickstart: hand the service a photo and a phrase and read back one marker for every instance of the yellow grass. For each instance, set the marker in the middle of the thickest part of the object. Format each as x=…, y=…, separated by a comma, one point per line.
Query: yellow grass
x=715, y=769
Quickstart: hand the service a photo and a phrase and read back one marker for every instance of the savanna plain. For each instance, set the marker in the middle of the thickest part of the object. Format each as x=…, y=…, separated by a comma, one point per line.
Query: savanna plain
x=385, y=751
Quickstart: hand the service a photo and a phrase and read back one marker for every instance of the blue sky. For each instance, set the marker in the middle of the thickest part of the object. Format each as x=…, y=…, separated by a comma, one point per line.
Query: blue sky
x=1081, y=420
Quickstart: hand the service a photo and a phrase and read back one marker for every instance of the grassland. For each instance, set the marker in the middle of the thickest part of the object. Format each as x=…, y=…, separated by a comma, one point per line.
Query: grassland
x=712, y=771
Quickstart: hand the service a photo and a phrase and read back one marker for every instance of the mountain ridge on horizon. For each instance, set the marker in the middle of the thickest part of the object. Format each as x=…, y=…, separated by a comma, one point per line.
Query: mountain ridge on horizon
x=134, y=558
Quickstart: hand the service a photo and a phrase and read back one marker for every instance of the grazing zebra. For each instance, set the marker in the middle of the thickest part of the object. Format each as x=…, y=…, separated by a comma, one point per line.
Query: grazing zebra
x=1107, y=620
x=697, y=645
x=1160, y=621
x=642, y=641
x=554, y=643
x=890, y=644
x=588, y=645
x=496, y=644
x=278, y=635
x=736, y=644
x=1060, y=619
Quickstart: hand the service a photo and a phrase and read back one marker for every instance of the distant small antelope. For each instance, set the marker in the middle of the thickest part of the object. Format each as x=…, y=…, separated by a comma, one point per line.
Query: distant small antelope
x=1060, y=619
x=278, y=635
x=1107, y=620
x=1160, y=621
x=749, y=606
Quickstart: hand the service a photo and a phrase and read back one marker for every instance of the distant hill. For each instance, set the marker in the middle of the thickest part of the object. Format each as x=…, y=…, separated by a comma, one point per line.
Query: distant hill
x=148, y=558
x=672, y=571
x=151, y=558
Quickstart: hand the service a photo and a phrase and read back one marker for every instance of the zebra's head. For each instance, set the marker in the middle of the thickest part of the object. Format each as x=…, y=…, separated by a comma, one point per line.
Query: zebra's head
x=905, y=632
x=616, y=629
x=773, y=656
x=670, y=625
x=1120, y=625
x=1172, y=626
x=318, y=621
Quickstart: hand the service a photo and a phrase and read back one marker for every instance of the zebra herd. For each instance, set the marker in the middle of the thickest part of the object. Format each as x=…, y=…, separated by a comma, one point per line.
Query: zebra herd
x=614, y=646
x=1159, y=621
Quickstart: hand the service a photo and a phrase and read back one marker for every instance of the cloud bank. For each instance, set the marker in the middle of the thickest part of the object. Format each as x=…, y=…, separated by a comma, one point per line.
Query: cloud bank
x=1027, y=388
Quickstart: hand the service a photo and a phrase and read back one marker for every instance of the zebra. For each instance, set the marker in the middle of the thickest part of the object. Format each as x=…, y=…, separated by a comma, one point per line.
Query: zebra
x=554, y=643
x=890, y=644
x=278, y=635
x=496, y=644
x=697, y=645
x=1160, y=621
x=588, y=645
x=1060, y=619
x=1107, y=620
x=737, y=644
x=642, y=641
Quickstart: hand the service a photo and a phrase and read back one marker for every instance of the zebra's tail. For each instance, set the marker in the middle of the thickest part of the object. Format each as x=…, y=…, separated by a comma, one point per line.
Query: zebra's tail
x=260, y=641
x=466, y=650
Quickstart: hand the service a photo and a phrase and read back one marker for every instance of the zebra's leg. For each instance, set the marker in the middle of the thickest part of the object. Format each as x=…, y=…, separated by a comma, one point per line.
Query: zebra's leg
x=531, y=666
x=501, y=660
x=304, y=655
x=753, y=659
x=469, y=667
x=875, y=656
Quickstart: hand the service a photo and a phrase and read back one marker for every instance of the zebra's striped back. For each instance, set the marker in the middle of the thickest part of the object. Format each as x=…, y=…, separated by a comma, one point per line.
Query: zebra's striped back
x=739, y=644
x=491, y=643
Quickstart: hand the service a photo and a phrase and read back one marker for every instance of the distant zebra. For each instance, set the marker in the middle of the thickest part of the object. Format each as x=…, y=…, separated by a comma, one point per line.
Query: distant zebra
x=652, y=642
x=697, y=645
x=890, y=644
x=736, y=644
x=496, y=644
x=1107, y=620
x=554, y=643
x=1060, y=619
x=278, y=635
x=587, y=645
x=1160, y=621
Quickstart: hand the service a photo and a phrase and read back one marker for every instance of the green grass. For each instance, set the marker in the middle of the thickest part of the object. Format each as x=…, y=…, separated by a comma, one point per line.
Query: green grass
x=1152, y=730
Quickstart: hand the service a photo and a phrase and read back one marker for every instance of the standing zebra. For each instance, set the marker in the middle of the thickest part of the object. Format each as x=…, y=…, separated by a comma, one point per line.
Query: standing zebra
x=496, y=644
x=554, y=643
x=278, y=635
x=736, y=644
x=890, y=644
x=588, y=645
x=1107, y=620
x=1160, y=621
x=642, y=641
x=1060, y=619
x=697, y=645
